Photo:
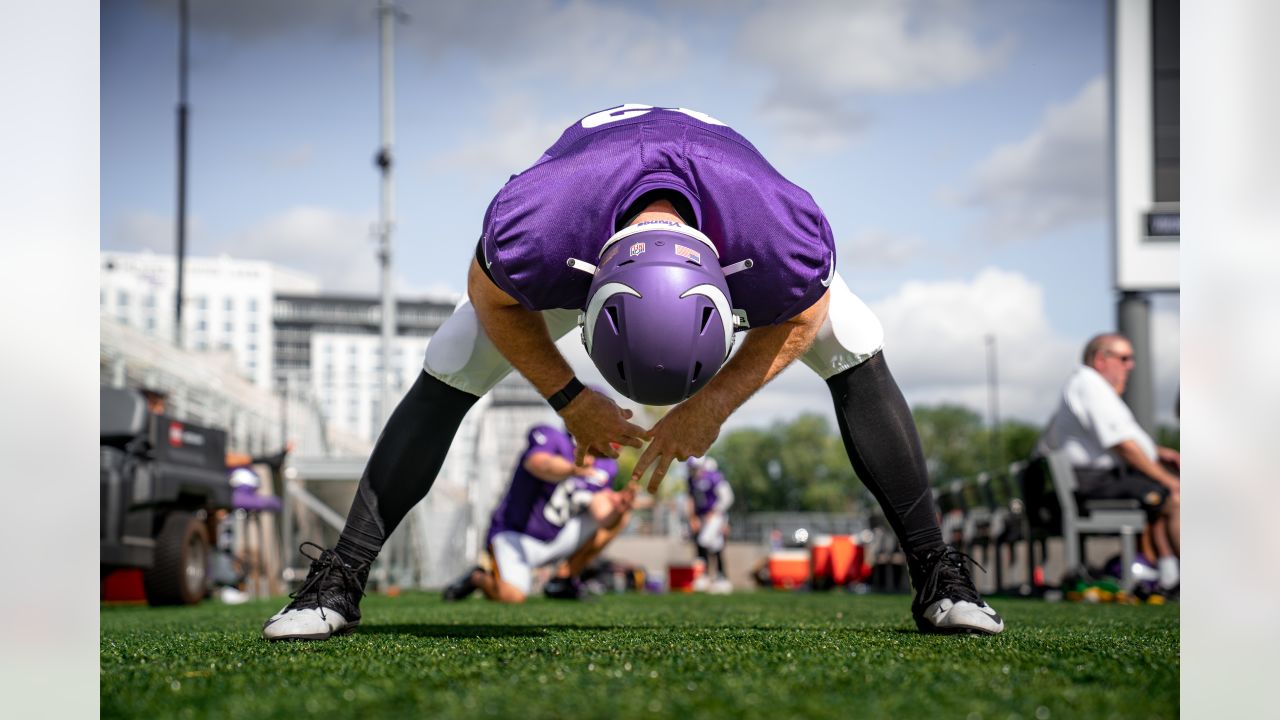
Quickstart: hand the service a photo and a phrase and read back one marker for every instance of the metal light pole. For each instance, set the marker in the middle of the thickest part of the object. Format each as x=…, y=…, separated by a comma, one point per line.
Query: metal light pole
x=182, y=167
x=387, y=14
x=993, y=403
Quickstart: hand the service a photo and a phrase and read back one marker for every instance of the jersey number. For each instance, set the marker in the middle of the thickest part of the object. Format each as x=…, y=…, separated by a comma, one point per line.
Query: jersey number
x=630, y=110
x=559, y=507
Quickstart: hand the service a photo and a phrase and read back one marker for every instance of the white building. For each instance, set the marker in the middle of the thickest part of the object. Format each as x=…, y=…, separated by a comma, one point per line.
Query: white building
x=228, y=304
x=345, y=374
x=282, y=333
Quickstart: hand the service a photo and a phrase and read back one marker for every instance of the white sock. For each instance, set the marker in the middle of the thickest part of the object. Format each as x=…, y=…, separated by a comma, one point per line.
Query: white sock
x=1168, y=567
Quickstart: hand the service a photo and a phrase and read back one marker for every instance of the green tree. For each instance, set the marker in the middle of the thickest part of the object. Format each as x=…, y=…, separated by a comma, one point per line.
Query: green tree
x=953, y=441
x=1169, y=436
x=956, y=443
x=796, y=465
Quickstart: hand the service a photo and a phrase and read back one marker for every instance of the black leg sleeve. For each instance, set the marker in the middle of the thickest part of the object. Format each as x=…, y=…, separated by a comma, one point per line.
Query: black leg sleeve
x=404, y=464
x=884, y=446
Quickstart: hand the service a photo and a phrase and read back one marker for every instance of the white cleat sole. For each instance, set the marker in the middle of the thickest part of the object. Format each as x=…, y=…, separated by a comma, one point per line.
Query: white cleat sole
x=307, y=625
x=947, y=617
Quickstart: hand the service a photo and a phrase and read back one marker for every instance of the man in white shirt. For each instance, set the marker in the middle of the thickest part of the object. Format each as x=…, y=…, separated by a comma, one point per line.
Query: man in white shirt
x=1113, y=456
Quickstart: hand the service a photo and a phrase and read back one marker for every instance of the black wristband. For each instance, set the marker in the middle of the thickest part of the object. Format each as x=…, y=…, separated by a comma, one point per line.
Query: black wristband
x=566, y=394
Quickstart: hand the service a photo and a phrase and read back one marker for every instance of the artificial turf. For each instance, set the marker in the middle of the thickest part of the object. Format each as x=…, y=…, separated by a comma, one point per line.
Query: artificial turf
x=751, y=655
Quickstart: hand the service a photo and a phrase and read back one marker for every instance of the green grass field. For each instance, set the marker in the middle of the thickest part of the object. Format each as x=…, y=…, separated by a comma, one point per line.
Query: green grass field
x=751, y=655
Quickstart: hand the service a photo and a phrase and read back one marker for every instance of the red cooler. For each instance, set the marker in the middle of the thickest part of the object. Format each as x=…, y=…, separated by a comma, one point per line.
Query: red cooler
x=680, y=577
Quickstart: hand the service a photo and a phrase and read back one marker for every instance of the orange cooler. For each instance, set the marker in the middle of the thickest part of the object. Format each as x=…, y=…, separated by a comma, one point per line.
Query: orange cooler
x=843, y=549
x=788, y=568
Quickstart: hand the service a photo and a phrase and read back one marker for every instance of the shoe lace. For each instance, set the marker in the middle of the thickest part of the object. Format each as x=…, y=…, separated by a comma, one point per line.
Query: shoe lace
x=950, y=576
x=326, y=568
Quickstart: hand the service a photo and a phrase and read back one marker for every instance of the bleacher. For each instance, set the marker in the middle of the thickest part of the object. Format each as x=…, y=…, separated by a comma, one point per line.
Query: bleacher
x=1023, y=525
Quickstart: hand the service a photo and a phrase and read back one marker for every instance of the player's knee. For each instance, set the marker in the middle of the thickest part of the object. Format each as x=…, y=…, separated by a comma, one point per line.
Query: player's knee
x=509, y=594
x=602, y=505
x=604, y=535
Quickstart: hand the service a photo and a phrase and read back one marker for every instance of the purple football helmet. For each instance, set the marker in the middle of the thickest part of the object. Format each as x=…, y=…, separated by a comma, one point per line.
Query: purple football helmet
x=658, y=322
x=700, y=464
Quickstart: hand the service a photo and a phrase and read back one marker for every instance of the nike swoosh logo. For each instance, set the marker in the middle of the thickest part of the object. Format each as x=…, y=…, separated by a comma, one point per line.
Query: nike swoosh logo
x=484, y=249
x=831, y=271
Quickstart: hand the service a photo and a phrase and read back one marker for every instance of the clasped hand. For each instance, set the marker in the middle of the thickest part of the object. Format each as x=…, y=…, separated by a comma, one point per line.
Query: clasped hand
x=599, y=427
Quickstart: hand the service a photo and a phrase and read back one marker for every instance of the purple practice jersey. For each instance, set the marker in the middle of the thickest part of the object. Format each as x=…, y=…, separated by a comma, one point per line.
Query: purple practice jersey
x=703, y=488
x=566, y=206
x=538, y=508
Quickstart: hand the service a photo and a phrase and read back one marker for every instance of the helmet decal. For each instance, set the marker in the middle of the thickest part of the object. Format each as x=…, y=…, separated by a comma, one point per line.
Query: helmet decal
x=598, y=300
x=717, y=298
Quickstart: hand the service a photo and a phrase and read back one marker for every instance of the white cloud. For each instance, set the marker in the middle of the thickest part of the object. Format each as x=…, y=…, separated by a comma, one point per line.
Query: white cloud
x=586, y=43
x=521, y=42
x=297, y=157
x=514, y=138
x=935, y=341
x=878, y=46
x=879, y=249
x=589, y=43
x=935, y=345
x=823, y=54
x=143, y=230
x=338, y=248
x=256, y=20
x=1052, y=179
x=813, y=124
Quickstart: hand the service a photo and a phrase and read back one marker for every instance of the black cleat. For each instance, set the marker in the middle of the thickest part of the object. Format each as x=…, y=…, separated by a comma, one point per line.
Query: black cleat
x=327, y=604
x=462, y=587
x=946, y=600
x=566, y=589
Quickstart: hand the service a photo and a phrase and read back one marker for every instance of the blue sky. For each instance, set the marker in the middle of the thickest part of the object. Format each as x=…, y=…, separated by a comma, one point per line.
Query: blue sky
x=958, y=148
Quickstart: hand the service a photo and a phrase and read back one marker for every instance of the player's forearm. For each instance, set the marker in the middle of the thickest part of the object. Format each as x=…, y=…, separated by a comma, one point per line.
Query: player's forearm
x=765, y=352
x=1133, y=455
x=519, y=334
x=550, y=468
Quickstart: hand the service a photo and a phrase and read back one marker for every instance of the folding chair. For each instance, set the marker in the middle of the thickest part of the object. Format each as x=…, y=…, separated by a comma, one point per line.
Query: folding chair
x=1094, y=517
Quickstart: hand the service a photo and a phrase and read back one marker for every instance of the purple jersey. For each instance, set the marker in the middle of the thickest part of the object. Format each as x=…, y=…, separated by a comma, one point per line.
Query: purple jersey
x=538, y=508
x=565, y=206
x=703, y=488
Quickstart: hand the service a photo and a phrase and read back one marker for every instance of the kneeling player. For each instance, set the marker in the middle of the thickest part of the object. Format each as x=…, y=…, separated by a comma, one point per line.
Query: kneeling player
x=554, y=511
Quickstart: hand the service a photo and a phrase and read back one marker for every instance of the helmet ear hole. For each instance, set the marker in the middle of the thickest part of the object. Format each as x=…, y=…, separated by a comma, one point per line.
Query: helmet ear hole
x=697, y=371
x=706, y=318
x=622, y=371
x=612, y=312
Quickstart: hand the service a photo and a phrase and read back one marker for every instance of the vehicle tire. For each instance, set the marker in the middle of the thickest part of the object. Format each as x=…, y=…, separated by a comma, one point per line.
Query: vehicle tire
x=179, y=575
